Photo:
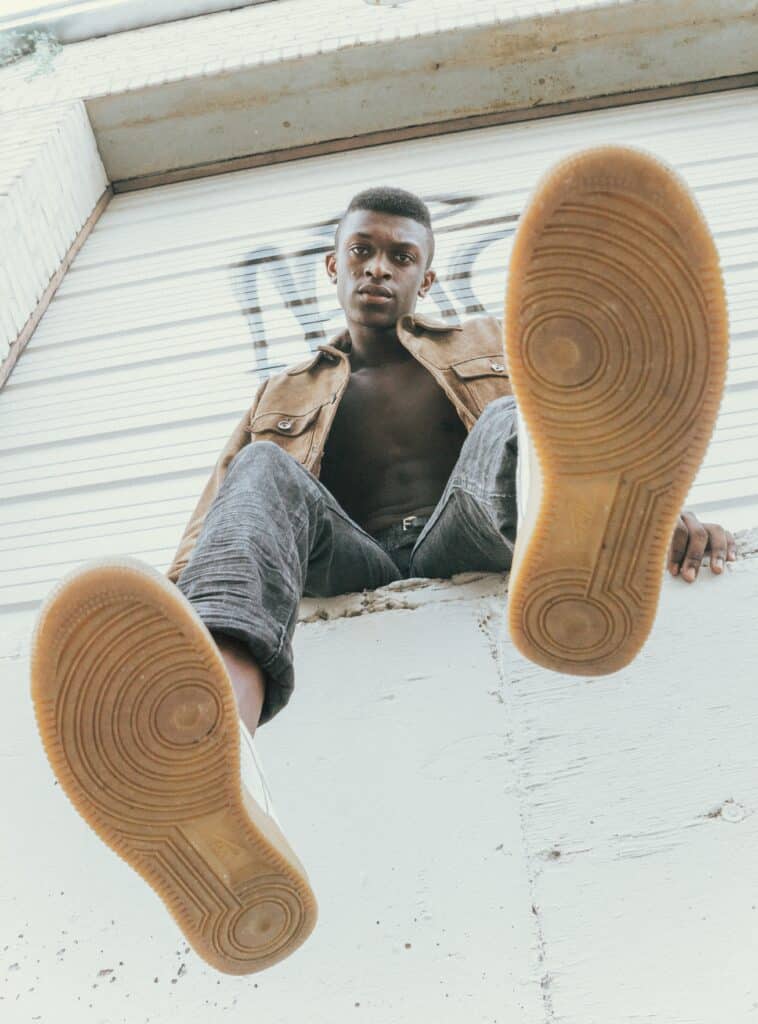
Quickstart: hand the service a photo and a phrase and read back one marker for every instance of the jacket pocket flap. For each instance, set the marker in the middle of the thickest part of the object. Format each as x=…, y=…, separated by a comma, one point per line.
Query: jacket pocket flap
x=481, y=366
x=285, y=424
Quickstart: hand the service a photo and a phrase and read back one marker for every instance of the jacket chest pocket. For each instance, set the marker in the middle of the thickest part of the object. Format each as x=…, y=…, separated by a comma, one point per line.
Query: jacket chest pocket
x=482, y=380
x=291, y=432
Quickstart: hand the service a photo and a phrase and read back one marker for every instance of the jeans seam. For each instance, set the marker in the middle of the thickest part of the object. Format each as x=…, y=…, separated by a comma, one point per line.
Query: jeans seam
x=455, y=485
x=278, y=651
x=346, y=519
x=433, y=520
x=350, y=522
x=473, y=493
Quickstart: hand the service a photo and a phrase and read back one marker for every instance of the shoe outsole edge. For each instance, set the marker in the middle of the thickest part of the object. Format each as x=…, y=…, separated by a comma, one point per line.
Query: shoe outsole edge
x=590, y=556
x=138, y=719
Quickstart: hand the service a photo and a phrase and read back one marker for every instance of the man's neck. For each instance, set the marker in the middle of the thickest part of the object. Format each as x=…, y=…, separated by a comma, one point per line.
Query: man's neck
x=373, y=347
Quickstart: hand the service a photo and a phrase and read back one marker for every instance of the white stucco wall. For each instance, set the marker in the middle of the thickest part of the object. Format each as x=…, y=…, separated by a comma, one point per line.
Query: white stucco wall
x=487, y=841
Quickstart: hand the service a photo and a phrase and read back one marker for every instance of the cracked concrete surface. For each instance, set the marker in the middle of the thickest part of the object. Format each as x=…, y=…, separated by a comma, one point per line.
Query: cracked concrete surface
x=415, y=592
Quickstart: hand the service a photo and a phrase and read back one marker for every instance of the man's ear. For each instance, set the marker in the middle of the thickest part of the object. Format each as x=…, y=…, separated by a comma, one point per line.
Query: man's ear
x=331, y=264
x=429, y=278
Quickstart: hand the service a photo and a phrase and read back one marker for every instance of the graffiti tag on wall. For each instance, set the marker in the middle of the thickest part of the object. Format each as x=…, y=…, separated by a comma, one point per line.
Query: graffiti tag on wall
x=278, y=275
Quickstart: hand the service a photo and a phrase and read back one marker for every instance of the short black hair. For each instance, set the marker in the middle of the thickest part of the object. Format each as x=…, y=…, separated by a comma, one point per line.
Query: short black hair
x=395, y=201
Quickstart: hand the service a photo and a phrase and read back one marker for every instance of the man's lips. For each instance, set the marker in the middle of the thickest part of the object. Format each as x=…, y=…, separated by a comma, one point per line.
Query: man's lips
x=375, y=292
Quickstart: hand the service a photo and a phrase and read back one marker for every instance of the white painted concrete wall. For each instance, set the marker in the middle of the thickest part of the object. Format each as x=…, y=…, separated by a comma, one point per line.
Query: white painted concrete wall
x=488, y=841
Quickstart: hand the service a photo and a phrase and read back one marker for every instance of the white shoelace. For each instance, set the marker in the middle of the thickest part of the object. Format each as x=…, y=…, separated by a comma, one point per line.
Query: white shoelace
x=252, y=773
x=522, y=470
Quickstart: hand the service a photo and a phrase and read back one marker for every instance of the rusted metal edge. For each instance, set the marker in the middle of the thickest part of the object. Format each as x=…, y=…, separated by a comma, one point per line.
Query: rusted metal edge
x=17, y=347
x=420, y=131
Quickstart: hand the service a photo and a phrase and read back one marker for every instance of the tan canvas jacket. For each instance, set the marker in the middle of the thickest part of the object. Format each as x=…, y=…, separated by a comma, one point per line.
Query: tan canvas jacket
x=296, y=408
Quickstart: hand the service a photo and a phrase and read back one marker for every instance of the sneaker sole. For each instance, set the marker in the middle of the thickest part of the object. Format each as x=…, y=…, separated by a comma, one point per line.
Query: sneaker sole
x=138, y=719
x=616, y=337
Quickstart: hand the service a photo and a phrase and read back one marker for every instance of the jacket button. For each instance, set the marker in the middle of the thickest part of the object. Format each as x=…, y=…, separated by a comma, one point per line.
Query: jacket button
x=284, y=424
x=498, y=367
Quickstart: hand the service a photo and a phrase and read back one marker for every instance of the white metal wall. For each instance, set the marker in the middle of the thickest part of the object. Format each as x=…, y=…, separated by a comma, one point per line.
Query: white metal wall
x=183, y=296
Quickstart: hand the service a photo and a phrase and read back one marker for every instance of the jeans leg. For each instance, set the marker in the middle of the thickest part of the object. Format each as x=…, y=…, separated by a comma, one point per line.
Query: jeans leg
x=274, y=534
x=473, y=526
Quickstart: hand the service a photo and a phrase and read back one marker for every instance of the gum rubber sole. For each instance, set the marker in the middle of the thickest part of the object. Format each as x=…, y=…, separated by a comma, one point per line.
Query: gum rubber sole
x=616, y=337
x=138, y=719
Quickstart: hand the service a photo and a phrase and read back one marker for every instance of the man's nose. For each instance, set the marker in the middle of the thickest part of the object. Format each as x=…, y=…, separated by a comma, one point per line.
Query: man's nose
x=378, y=266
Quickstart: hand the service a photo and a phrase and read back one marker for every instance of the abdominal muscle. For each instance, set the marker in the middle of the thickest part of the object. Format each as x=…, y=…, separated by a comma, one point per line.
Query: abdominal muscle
x=393, y=444
x=377, y=498
x=401, y=497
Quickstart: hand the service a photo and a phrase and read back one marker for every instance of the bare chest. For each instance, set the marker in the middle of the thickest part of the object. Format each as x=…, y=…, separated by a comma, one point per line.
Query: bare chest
x=392, y=414
x=394, y=441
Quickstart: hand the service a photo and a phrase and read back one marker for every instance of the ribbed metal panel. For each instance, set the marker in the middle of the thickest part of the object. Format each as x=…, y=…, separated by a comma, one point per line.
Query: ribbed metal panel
x=185, y=295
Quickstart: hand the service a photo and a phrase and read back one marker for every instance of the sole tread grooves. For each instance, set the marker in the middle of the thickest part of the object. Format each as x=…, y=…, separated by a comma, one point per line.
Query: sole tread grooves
x=139, y=722
x=625, y=394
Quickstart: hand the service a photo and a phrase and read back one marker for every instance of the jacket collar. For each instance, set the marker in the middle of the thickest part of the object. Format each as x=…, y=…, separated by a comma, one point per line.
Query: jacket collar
x=413, y=323
x=336, y=349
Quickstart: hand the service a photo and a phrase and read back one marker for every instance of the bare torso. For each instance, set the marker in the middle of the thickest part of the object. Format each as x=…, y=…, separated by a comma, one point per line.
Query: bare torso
x=392, y=446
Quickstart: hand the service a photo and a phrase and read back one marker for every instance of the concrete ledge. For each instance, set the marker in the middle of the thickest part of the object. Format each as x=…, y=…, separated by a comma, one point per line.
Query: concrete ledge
x=488, y=841
x=413, y=593
x=350, y=91
x=410, y=593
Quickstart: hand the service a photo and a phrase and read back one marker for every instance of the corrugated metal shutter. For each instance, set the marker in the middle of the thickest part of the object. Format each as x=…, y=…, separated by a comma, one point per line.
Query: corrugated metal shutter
x=185, y=295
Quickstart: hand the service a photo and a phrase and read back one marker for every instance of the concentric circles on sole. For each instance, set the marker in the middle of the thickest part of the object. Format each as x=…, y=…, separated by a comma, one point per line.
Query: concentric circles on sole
x=139, y=721
x=616, y=341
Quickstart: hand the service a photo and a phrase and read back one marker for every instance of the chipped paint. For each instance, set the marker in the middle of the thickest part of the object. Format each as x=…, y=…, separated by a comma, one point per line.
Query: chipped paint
x=419, y=591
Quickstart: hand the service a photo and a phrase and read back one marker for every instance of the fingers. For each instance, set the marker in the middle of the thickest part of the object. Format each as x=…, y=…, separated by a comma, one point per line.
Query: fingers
x=717, y=544
x=697, y=543
x=678, y=546
x=731, y=548
x=691, y=542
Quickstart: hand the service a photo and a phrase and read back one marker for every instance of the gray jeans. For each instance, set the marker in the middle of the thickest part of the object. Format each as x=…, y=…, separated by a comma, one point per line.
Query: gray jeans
x=274, y=534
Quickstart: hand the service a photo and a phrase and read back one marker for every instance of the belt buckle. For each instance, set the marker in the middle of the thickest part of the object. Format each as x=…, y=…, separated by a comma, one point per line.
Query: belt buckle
x=407, y=521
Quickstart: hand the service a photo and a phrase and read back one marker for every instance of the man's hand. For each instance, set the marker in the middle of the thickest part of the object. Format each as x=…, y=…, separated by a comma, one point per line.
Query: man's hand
x=691, y=542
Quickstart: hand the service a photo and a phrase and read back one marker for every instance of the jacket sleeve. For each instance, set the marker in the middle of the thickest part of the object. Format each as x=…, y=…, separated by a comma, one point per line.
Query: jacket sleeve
x=237, y=441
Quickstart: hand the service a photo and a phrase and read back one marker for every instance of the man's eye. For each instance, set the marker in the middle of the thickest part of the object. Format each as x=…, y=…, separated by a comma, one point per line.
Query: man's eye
x=405, y=256
x=358, y=248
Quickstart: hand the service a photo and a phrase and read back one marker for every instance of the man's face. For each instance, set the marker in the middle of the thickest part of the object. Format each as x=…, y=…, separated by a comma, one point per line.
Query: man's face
x=380, y=267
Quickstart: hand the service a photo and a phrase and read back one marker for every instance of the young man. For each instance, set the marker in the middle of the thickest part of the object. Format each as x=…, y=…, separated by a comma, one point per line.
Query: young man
x=396, y=450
